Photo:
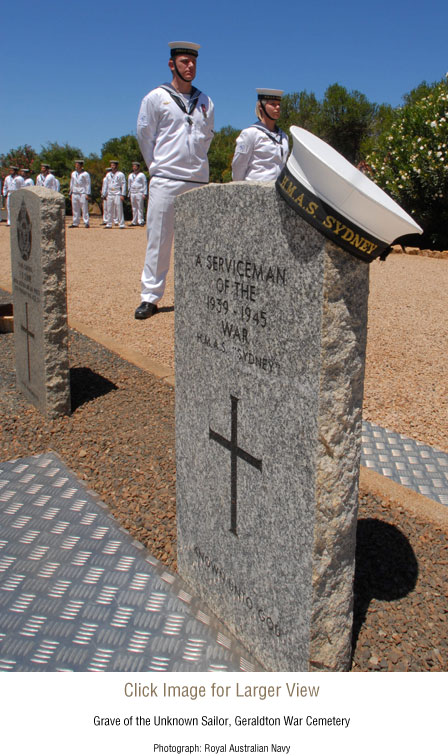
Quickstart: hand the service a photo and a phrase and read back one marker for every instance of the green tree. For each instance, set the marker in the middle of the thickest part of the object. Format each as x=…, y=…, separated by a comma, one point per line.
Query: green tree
x=221, y=153
x=345, y=119
x=125, y=149
x=300, y=109
x=60, y=157
x=410, y=160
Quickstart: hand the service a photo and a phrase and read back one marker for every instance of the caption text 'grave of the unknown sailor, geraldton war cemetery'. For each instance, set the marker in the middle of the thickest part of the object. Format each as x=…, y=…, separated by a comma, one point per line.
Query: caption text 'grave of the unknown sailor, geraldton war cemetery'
x=40, y=299
x=271, y=322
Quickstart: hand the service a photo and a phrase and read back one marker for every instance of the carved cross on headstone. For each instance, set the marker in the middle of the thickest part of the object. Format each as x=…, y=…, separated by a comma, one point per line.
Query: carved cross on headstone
x=26, y=330
x=235, y=452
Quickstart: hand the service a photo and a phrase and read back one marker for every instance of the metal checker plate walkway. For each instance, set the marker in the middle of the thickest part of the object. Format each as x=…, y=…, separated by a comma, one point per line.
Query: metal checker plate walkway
x=408, y=462
x=77, y=593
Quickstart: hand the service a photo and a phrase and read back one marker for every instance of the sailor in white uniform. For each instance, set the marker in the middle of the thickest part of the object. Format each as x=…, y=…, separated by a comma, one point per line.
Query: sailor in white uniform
x=80, y=190
x=262, y=149
x=51, y=182
x=27, y=180
x=115, y=192
x=174, y=131
x=44, y=171
x=10, y=185
x=137, y=191
x=103, y=195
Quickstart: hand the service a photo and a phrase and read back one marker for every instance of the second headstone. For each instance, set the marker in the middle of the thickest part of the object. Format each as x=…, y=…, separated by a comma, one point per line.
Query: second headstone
x=40, y=298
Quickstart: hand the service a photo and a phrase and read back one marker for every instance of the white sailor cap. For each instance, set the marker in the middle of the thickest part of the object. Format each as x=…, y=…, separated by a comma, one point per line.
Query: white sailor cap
x=269, y=94
x=340, y=201
x=78, y=160
x=184, y=48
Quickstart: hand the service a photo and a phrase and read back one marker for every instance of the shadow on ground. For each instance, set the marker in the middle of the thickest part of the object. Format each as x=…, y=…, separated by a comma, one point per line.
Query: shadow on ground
x=86, y=385
x=166, y=309
x=386, y=568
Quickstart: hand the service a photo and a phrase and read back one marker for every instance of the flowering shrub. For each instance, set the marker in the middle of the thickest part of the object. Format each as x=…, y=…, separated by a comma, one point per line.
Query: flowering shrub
x=410, y=161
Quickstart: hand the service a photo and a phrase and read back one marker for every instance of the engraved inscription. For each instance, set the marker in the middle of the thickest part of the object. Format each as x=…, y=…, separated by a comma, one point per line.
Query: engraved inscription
x=219, y=575
x=23, y=281
x=235, y=453
x=24, y=232
x=236, y=320
x=29, y=334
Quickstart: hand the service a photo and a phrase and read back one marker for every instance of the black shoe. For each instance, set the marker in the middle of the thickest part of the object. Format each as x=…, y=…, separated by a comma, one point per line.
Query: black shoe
x=72, y=226
x=145, y=310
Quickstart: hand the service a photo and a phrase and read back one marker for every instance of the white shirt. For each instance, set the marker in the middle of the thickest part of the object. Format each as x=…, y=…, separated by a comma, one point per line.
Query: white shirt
x=104, y=185
x=28, y=182
x=51, y=182
x=260, y=154
x=40, y=180
x=137, y=183
x=80, y=183
x=115, y=183
x=12, y=183
x=173, y=143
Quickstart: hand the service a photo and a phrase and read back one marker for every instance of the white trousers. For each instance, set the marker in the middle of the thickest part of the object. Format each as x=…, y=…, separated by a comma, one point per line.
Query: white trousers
x=138, y=208
x=80, y=205
x=114, y=210
x=160, y=234
x=8, y=209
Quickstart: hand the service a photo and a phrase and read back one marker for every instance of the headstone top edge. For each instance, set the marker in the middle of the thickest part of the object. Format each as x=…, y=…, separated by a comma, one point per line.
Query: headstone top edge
x=39, y=191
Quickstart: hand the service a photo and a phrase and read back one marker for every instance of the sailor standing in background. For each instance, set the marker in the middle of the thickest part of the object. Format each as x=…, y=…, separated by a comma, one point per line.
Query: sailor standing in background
x=44, y=172
x=11, y=184
x=51, y=182
x=27, y=180
x=137, y=191
x=262, y=149
x=103, y=195
x=80, y=190
x=174, y=131
x=115, y=194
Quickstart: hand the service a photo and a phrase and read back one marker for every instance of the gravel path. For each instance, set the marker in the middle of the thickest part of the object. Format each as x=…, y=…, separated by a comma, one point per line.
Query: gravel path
x=407, y=356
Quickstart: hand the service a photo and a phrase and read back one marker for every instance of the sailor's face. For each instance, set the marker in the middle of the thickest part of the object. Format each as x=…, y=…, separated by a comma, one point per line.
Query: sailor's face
x=186, y=65
x=43, y=169
x=78, y=167
x=273, y=109
x=114, y=167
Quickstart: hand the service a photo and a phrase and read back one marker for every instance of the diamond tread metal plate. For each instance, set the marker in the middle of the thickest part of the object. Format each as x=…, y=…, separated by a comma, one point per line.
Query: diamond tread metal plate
x=410, y=463
x=77, y=593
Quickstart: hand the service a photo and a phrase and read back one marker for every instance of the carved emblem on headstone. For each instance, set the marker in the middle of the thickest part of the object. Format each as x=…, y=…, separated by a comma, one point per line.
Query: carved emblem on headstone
x=24, y=232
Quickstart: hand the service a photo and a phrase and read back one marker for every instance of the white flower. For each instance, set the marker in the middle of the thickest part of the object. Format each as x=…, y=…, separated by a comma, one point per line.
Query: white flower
x=433, y=124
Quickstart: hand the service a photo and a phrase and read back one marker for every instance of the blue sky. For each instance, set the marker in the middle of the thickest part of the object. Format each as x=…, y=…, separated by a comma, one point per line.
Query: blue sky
x=76, y=72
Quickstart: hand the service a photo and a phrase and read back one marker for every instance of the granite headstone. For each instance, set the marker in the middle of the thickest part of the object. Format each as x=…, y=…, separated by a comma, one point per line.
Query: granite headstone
x=270, y=339
x=40, y=298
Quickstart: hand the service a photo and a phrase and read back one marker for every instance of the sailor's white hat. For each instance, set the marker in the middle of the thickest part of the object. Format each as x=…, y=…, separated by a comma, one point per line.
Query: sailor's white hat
x=340, y=201
x=269, y=94
x=185, y=48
